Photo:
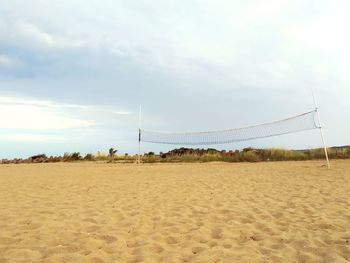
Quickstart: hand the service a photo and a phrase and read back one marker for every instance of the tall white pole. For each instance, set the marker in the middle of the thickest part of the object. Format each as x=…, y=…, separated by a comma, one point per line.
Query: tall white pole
x=139, y=152
x=320, y=128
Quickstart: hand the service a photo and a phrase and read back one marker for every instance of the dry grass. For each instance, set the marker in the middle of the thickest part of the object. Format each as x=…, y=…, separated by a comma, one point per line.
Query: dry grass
x=246, y=155
x=217, y=212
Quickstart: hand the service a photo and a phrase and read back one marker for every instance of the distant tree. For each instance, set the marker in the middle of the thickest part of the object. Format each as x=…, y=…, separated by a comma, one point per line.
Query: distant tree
x=112, y=152
x=75, y=156
x=39, y=158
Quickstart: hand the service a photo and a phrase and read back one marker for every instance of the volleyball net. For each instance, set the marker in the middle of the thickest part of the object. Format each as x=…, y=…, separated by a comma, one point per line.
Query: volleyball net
x=302, y=122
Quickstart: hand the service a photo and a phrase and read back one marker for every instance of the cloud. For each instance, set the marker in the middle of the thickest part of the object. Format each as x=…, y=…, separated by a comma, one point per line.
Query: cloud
x=38, y=103
x=33, y=33
x=122, y=112
x=21, y=113
x=23, y=137
x=24, y=34
x=9, y=62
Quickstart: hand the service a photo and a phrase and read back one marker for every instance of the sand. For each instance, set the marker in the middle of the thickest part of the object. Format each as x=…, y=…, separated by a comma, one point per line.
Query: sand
x=94, y=212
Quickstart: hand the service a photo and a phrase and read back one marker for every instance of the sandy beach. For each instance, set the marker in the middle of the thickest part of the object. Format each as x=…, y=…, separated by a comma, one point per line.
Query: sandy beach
x=216, y=212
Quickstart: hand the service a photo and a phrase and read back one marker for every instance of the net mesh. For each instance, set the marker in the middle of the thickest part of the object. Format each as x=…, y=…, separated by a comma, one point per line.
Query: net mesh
x=305, y=121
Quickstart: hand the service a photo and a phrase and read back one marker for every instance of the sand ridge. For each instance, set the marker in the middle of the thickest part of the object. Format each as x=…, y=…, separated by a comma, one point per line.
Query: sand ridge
x=242, y=212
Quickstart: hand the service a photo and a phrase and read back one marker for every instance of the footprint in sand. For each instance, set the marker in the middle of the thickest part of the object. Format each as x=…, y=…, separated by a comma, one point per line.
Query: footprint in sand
x=171, y=240
x=108, y=239
x=196, y=250
x=90, y=220
x=216, y=233
x=227, y=246
x=212, y=244
x=156, y=249
x=95, y=260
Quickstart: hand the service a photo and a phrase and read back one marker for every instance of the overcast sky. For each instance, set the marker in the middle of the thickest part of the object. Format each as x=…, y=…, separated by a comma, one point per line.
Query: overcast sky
x=73, y=72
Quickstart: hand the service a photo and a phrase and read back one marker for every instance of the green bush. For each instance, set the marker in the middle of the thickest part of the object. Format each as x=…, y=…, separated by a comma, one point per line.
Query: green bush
x=250, y=156
x=210, y=158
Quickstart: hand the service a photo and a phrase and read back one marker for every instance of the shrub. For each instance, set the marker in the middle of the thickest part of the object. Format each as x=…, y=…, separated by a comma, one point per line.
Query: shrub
x=210, y=158
x=149, y=159
x=76, y=156
x=230, y=158
x=250, y=156
x=39, y=158
x=188, y=158
x=317, y=153
x=89, y=157
x=69, y=157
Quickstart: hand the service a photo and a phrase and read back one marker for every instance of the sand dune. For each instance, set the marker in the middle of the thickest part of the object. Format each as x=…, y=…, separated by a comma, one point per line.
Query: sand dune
x=93, y=212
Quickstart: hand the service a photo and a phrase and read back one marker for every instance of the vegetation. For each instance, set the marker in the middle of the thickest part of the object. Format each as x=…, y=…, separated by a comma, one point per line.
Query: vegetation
x=70, y=157
x=89, y=157
x=246, y=155
x=112, y=152
x=196, y=155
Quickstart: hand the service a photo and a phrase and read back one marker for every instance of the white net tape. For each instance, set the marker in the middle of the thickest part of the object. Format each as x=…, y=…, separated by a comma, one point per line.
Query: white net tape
x=305, y=121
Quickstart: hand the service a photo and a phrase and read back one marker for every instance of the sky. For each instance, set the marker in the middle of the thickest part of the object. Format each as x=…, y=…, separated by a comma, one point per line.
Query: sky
x=74, y=72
